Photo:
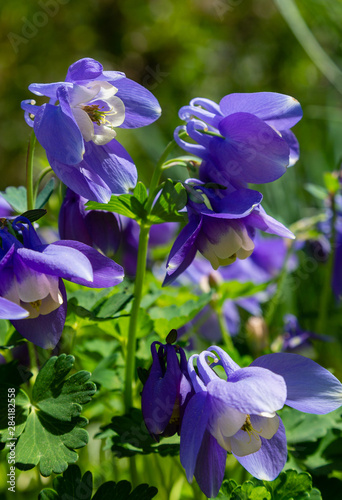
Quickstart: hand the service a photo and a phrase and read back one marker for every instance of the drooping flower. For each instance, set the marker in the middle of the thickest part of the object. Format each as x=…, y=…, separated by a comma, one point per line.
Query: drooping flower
x=166, y=391
x=248, y=140
x=95, y=228
x=239, y=414
x=221, y=227
x=77, y=127
x=31, y=280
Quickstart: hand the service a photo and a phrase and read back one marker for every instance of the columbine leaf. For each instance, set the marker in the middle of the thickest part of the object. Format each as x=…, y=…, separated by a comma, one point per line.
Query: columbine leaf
x=130, y=205
x=176, y=315
x=71, y=486
x=51, y=426
x=46, y=192
x=16, y=197
x=172, y=199
x=33, y=215
x=235, y=290
x=288, y=485
x=304, y=427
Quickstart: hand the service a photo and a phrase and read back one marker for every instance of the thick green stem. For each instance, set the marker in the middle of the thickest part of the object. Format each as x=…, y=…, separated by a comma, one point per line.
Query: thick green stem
x=29, y=172
x=227, y=340
x=139, y=280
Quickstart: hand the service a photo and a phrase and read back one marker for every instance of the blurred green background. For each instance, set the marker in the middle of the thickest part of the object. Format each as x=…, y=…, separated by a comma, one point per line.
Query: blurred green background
x=179, y=50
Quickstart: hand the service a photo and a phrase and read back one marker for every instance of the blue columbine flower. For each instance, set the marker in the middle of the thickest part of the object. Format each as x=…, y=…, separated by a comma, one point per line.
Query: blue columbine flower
x=30, y=280
x=221, y=226
x=78, y=133
x=239, y=414
x=166, y=391
x=95, y=228
x=250, y=139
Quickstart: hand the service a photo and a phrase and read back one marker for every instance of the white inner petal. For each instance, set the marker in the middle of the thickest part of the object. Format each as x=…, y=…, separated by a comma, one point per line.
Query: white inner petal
x=244, y=443
x=266, y=427
x=85, y=124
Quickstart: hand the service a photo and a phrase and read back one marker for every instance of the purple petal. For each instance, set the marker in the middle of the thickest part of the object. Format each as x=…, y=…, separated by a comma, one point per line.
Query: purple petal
x=46, y=89
x=235, y=205
x=160, y=391
x=268, y=462
x=259, y=219
x=310, y=387
x=57, y=131
x=113, y=164
x=291, y=140
x=277, y=110
x=10, y=310
x=63, y=261
x=141, y=107
x=104, y=229
x=71, y=220
x=250, y=391
x=183, y=251
x=210, y=465
x=84, y=69
x=44, y=331
x=106, y=272
x=194, y=424
x=82, y=179
x=259, y=154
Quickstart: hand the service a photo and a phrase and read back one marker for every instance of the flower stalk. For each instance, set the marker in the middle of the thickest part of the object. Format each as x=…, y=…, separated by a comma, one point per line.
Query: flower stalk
x=29, y=172
x=139, y=279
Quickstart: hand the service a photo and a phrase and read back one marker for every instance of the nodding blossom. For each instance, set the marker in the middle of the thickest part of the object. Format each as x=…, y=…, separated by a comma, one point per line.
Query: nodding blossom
x=32, y=293
x=77, y=127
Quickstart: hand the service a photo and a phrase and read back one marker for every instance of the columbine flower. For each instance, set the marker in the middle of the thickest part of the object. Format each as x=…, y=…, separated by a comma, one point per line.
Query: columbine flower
x=221, y=226
x=250, y=139
x=239, y=414
x=30, y=280
x=78, y=133
x=95, y=228
x=166, y=391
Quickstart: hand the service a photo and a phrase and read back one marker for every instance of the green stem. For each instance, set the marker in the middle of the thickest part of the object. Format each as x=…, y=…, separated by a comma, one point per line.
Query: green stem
x=139, y=280
x=274, y=302
x=29, y=172
x=227, y=340
x=325, y=296
x=302, y=32
x=33, y=362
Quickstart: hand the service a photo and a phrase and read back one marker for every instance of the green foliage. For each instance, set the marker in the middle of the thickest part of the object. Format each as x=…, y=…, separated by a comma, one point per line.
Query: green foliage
x=130, y=205
x=48, y=425
x=127, y=436
x=17, y=197
x=71, y=486
x=288, y=485
x=172, y=199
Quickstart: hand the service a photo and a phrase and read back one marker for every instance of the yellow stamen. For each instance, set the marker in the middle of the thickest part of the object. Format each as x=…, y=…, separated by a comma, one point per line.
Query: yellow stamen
x=36, y=304
x=248, y=427
x=98, y=116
